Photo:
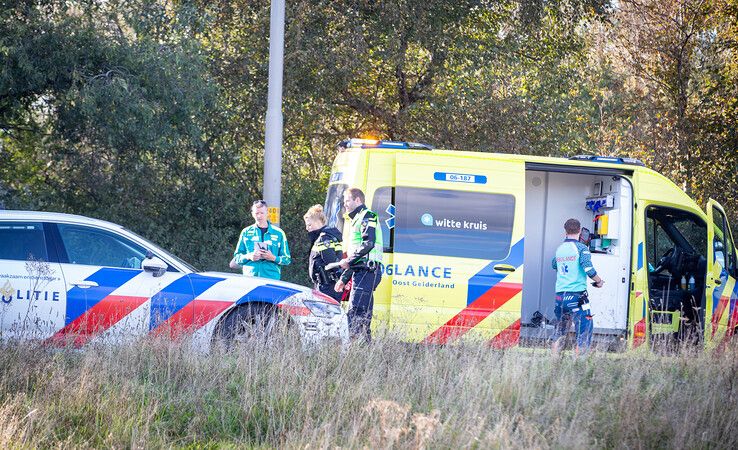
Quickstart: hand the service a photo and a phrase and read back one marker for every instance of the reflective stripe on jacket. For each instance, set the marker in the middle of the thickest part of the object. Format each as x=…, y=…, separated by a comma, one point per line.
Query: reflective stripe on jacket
x=363, y=225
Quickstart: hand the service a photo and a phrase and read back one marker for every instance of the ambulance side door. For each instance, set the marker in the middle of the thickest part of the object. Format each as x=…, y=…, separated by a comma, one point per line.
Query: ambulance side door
x=457, y=266
x=721, y=318
x=31, y=282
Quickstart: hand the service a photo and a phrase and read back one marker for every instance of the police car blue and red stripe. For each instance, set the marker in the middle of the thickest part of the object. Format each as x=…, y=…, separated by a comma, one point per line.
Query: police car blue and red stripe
x=71, y=279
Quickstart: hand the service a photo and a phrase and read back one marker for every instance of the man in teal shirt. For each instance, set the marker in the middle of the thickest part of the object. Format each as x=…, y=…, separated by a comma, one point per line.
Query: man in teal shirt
x=573, y=264
x=262, y=248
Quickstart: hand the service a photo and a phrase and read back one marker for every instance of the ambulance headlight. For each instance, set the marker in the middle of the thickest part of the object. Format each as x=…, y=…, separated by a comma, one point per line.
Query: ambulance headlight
x=322, y=309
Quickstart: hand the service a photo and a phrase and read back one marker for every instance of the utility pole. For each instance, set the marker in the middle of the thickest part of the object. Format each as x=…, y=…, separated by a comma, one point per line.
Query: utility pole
x=274, y=121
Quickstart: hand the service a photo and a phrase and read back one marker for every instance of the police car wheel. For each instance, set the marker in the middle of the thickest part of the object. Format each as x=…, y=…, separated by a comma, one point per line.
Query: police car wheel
x=252, y=324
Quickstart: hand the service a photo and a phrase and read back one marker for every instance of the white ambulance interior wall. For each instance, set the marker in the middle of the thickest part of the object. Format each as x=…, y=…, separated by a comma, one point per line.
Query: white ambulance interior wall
x=550, y=199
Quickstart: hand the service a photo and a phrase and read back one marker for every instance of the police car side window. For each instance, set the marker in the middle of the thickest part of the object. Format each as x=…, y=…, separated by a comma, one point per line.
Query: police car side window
x=23, y=241
x=382, y=205
x=95, y=247
x=453, y=223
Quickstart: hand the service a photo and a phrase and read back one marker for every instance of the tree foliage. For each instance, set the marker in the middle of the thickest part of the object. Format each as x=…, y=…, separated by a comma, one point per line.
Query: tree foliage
x=151, y=113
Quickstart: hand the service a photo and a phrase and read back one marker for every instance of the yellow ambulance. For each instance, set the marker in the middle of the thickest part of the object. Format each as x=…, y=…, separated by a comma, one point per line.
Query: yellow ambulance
x=469, y=238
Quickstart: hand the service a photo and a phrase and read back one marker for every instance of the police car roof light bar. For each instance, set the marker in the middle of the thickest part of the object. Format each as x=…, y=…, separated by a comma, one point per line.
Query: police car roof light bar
x=373, y=143
x=608, y=159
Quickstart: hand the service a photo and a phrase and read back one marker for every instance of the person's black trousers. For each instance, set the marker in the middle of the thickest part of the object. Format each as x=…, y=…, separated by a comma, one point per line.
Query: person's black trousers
x=364, y=282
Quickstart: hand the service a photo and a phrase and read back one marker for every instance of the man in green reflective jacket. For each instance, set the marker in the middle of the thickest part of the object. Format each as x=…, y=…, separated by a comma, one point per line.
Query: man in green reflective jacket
x=362, y=264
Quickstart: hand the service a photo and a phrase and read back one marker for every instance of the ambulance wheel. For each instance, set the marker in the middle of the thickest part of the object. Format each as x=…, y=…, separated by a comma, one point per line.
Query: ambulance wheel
x=251, y=324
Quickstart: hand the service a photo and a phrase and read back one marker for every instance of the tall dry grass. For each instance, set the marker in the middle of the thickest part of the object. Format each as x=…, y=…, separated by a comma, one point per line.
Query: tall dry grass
x=385, y=395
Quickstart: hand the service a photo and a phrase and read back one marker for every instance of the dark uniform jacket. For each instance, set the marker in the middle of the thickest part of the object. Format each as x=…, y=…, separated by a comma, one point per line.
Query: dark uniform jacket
x=326, y=250
x=368, y=228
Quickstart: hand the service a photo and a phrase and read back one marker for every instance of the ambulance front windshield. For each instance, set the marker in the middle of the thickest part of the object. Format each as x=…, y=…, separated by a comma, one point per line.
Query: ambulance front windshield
x=334, y=210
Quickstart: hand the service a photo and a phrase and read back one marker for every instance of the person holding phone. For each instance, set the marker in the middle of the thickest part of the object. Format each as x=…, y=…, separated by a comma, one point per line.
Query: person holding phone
x=262, y=248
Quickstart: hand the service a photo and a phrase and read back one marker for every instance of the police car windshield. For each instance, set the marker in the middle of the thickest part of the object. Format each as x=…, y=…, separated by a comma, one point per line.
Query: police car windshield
x=161, y=252
x=334, y=210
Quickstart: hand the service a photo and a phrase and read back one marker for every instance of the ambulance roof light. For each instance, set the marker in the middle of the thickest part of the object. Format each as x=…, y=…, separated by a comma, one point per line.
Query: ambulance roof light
x=374, y=143
x=608, y=159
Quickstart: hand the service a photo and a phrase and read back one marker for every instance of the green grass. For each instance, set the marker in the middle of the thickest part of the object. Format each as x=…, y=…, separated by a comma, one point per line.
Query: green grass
x=385, y=395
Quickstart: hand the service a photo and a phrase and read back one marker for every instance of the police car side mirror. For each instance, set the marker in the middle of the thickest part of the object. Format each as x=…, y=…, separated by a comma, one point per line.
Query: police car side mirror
x=154, y=265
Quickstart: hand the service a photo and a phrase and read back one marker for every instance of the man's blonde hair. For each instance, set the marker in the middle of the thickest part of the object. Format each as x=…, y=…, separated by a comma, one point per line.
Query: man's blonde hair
x=316, y=213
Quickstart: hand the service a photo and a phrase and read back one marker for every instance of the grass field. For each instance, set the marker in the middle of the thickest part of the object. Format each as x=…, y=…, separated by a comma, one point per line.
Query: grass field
x=159, y=394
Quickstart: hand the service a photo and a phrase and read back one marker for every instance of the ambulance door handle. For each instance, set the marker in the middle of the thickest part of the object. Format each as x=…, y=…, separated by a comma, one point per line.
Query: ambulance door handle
x=504, y=268
x=85, y=284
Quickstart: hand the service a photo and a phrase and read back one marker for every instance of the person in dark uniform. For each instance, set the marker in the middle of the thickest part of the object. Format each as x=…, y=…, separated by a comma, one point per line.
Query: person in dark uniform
x=326, y=249
x=363, y=263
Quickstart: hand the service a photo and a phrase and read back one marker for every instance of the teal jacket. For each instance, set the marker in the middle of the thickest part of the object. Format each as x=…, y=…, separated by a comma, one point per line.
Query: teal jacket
x=276, y=242
x=573, y=264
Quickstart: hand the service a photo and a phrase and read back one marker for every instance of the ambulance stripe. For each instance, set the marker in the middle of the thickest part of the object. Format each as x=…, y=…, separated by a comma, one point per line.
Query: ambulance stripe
x=640, y=255
x=196, y=315
x=639, y=332
x=80, y=300
x=485, y=295
x=733, y=313
x=178, y=297
x=106, y=313
x=269, y=293
x=733, y=320
x=509, y=337
x=716, y=295
x=719, y=304
x=487, y=278
x=470, y=316
x=639, y=329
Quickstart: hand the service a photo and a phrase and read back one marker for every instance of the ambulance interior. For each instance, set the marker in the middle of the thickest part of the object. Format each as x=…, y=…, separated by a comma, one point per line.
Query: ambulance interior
x=603, y=205
x=676, y=243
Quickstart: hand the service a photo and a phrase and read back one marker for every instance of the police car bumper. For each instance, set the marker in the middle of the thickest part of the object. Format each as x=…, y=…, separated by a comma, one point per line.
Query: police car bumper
x=319, y=330
x=320, y=322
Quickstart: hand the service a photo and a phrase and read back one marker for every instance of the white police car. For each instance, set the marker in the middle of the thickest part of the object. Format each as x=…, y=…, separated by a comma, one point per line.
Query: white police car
x=73, y=279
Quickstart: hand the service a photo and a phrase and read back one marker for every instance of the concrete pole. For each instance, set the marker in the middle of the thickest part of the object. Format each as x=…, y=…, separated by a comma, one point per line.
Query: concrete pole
x=274, y=121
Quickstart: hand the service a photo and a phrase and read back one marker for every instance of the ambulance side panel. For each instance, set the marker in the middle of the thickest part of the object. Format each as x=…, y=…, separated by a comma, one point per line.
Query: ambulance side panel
x=457, y=268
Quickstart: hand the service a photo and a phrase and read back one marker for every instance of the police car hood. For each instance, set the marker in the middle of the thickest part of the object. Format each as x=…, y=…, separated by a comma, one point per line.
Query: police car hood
x=248, y=282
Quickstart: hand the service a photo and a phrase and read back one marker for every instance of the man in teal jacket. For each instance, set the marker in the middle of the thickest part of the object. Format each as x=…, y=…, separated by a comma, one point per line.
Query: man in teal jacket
x=573, y=264
x=262, y=248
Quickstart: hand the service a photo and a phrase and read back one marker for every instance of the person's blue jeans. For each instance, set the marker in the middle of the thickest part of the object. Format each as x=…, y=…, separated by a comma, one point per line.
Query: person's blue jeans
x=573, y=307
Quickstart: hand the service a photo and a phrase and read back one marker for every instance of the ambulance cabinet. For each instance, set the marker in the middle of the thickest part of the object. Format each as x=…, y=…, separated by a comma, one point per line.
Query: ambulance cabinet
x=609, y=310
